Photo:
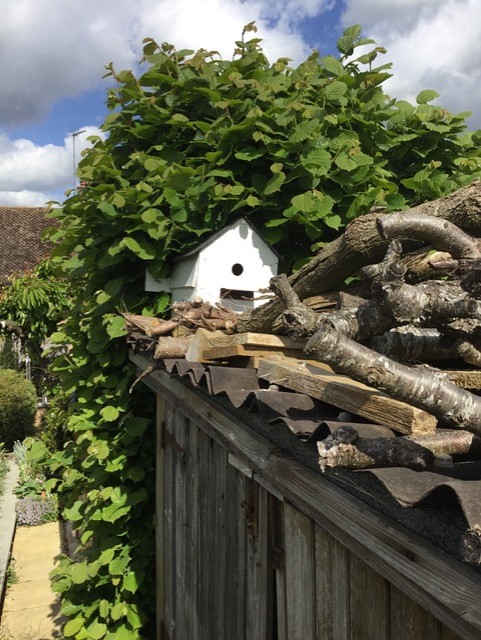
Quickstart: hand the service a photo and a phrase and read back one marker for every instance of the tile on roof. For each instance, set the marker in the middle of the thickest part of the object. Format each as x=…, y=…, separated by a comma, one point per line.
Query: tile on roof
x=21, y=245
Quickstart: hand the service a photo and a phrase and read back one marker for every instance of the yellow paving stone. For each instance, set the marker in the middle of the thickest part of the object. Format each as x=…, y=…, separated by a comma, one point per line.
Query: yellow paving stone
x=31, y=609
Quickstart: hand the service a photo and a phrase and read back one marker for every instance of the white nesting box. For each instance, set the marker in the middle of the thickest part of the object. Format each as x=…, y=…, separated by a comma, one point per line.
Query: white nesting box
x=230, y=267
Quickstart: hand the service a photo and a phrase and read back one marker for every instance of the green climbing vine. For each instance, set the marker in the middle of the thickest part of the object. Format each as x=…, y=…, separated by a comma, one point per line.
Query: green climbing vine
x=191, y=143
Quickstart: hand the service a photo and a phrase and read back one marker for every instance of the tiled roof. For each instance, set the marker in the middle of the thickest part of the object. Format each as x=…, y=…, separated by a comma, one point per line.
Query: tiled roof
x=21, y=247
x=439, y=503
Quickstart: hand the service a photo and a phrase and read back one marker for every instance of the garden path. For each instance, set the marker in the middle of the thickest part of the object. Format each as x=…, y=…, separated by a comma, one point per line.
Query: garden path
x=31, y=609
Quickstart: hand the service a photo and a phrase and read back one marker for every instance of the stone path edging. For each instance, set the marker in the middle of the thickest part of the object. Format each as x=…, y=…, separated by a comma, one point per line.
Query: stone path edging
x=7, y=521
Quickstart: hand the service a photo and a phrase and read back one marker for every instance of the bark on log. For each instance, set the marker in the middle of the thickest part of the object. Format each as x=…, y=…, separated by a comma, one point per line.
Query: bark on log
x=360, y=245
x=426, y=389
x=345, y=448
x=170, y=347
x=413, y=344
x=442, y=234
x=449, y=441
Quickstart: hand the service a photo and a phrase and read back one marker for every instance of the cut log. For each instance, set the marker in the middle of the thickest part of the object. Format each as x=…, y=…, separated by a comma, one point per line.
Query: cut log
x=466, y=379
x=360, y=245
x=344, y=448
x=171, y=347
x=152, y=327
x=426, y=389
x=413, y=344
x=442, y=234
x=452, y=442
x=319, y=381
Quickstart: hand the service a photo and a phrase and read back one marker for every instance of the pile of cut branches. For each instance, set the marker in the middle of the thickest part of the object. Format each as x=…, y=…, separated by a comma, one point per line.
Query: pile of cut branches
x=387, y=338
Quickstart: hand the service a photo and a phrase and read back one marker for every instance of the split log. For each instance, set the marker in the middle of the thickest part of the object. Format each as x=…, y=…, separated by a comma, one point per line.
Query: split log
x=152, y=327
x=170, y=347
x=426, y=389
x=344, y=448
x=189, y=315
x=425, y=265
x=360, y=245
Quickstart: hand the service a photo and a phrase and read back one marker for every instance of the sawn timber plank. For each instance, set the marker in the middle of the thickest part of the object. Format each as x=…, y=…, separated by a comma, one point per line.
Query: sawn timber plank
x=322, y=383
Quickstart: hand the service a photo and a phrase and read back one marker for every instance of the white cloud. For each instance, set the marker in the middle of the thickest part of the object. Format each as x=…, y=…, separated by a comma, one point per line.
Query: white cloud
x=32, y=174
x=433, y=44
x=23, y=199
x=53, y=49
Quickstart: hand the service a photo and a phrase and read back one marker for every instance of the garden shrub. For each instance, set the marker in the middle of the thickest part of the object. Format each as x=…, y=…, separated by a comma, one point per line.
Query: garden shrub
x=9, y=356
x=18, y=404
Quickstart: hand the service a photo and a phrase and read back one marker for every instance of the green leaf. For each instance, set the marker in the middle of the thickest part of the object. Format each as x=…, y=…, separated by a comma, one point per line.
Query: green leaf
x=116, y=327
x=332, y=64
x=334, y=90
x=303, y=131
x=109, y=413
x=334, y=222
x=345, y=43
x=72, y=627
x=304, y=202
x=99, y=449
x=108, y=209
x=275, y=183
x=97, y=630
x=345, y=162
x=131, y=582
x=79, y=573
x=428, y=95
x=141, y=248
x=118, y=566
x=252, y=201
x=150, y=215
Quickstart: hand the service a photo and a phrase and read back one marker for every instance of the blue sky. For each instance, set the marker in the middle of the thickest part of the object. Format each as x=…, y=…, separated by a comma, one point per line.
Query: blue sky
x=55, y=51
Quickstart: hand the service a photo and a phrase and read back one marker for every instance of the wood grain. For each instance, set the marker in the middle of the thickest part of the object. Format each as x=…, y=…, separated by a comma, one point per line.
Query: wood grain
x=345, y=393
x=300, y=566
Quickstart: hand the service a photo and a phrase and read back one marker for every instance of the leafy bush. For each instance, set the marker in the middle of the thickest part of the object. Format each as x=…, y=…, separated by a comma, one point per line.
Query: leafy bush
x=9, y=357
x=18, y=404
x=193, y=142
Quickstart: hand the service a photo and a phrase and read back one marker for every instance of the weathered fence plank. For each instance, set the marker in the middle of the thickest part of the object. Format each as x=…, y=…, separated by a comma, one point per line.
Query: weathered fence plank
x=369, y=611
x=409, y=620
x=299, y=558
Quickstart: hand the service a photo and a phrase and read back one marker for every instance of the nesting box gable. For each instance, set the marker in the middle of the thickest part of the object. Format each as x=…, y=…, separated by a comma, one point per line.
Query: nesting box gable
x=235, y=266
x=230, y=267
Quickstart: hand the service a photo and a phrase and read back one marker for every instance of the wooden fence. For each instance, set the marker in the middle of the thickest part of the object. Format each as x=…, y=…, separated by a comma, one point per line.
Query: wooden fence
x=252, y=545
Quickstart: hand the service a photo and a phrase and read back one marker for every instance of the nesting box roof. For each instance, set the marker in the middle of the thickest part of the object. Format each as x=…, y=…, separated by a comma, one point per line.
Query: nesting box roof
x=218, y=234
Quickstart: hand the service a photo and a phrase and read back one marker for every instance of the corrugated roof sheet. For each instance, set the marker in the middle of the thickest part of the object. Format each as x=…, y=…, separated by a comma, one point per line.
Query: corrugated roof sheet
x=439, y=489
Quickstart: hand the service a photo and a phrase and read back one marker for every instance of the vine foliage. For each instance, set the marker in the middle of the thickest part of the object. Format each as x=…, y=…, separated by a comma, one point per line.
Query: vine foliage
x=191, y=143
